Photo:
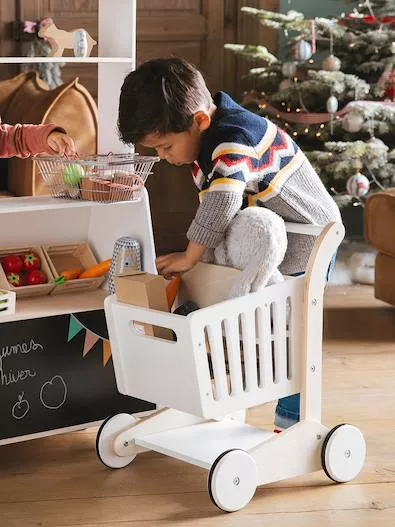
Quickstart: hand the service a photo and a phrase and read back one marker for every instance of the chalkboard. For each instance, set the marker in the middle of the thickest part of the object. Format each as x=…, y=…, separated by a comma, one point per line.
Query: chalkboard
x=46, y=380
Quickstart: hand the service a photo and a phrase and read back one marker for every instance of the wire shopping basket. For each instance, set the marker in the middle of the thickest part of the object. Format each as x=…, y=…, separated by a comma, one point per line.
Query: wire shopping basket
x=104, y=178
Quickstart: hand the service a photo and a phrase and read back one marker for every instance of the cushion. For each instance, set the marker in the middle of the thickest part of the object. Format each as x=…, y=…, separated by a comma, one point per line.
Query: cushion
x=379, y=221
x=8, y=89
x=69, y=106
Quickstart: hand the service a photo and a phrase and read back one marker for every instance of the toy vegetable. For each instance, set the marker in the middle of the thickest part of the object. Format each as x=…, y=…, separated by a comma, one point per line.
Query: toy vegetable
x=98, y=270
x=172, y=290
x=68, y=274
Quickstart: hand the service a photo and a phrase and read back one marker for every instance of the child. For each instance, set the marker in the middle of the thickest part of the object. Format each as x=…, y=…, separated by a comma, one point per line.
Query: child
x=240, y=159
x=24, y=140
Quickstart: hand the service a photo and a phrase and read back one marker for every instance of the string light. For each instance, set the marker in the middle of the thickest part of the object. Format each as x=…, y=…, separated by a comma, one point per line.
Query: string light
x=322, y=126
x=311, y=61
x=278, y=116
x=318, y=134
x=306, y=130
x=297, y=110
x=295, y=134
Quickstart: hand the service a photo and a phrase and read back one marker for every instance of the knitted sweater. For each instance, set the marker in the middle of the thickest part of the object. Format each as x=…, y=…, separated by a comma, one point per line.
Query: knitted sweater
x=246, y=160
x=23, y=140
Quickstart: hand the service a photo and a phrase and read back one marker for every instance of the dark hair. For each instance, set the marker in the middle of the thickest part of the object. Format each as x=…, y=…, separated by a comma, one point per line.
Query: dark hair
x=161, y=95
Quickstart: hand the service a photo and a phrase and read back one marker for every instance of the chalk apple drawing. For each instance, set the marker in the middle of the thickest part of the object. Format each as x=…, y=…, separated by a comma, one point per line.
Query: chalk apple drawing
x=53, y=393
x=20, y=408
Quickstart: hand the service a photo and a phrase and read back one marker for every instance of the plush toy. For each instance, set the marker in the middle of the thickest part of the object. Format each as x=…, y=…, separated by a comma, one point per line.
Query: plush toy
x=255, y=242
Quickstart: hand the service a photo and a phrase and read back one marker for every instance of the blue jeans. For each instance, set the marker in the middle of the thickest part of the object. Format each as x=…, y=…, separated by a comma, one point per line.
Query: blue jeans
x=288, y=408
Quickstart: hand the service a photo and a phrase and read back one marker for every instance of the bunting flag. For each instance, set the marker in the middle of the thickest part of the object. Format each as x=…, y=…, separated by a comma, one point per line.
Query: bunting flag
x=74, y=328
x=106, y=351
x=90, y=341
x=91, y=338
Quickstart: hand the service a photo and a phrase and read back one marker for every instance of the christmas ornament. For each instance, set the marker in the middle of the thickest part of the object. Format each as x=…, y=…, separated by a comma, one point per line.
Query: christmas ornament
x=358, y=185
x=353, y=121
x=288, y=69
x=331, y=63
x=284, y=85
x=302, y=50
x=332, y=104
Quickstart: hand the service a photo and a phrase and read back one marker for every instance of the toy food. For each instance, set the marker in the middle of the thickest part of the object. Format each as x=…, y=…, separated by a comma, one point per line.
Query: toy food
x=172, y=290
x=15, y=279
x=35, y=277
x=12, y=264
x=73, y=174
x=98, y=270
x=30, y=261
x=68, y=274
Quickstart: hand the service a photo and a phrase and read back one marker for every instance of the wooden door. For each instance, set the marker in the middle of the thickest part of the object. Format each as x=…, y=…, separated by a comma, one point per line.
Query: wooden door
x=197, y=31
x=194, y=30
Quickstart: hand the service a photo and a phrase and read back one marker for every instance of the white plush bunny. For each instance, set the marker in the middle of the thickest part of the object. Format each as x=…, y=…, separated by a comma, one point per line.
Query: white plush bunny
x=255, y=242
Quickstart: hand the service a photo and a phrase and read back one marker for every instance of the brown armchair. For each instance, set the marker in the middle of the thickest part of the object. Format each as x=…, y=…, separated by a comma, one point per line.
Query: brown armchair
x=380, y=233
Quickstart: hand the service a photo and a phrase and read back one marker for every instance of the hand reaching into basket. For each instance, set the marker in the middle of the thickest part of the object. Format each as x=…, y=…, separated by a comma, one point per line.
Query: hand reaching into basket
x=61, y=143
x=24, y=140
x=173, y=264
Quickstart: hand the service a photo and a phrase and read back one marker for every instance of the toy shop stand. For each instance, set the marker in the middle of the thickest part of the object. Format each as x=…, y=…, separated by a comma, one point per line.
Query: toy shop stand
x=56, y=368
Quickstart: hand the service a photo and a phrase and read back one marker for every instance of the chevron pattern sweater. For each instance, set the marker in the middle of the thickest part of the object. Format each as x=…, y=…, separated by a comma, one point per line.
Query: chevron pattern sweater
x=246, y=160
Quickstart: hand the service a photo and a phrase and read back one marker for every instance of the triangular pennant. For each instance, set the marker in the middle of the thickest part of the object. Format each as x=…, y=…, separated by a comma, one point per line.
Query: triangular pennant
x=90, y=341
x=74, y=328
x=106, y=351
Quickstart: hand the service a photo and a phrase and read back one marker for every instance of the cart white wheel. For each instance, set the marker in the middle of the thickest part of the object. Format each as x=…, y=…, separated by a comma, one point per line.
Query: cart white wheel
x=343, y=453
x=232, y=480
x=106, y=435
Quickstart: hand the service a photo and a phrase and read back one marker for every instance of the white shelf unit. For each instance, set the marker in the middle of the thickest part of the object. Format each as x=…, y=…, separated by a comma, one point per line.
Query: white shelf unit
x=44, y=220
x=82, y=60
x=116, y=51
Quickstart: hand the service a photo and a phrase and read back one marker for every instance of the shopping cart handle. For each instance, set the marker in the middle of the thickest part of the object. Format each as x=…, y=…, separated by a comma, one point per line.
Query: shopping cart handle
x=302, y=228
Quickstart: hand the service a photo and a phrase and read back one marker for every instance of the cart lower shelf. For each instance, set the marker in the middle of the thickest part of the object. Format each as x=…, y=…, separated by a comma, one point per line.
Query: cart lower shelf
x=202, y=443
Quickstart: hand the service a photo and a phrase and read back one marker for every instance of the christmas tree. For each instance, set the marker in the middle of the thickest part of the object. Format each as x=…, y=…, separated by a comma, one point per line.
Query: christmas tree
x=334, y=94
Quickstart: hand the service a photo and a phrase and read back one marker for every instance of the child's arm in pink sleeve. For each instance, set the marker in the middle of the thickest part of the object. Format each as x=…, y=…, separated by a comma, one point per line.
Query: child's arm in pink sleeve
x=23, y=140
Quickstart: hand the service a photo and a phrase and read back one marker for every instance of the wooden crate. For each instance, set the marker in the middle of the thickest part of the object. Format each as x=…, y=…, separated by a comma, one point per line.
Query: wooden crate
x=63, y=257
x=7, y=303
x=28, y=290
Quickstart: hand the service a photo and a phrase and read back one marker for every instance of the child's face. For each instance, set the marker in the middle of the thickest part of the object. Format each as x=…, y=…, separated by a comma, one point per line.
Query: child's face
x=179, y=148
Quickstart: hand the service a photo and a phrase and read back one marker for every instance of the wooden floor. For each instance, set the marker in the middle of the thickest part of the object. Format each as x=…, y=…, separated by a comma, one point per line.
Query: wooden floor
x=58, y=481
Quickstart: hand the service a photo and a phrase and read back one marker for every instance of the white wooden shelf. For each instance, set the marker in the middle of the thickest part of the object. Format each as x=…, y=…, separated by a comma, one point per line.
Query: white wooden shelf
x=53, y=305
x=86, y=60
x=45, y=203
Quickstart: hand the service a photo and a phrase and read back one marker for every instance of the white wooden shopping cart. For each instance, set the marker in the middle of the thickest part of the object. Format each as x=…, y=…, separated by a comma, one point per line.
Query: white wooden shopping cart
x=226, y=358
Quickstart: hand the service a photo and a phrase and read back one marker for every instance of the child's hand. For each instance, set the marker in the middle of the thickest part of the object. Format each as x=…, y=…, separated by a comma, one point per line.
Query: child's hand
x=174, y=263
x=62, y=144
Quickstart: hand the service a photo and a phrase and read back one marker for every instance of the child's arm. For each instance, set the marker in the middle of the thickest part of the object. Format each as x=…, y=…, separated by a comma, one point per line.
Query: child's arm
x=206, y=231
x=24, y=140
x=220, y=203
x=174, y=263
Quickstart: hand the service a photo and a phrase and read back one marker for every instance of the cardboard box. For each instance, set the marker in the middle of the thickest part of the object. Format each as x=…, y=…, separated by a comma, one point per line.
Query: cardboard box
x=146, y=290
x=207, y=284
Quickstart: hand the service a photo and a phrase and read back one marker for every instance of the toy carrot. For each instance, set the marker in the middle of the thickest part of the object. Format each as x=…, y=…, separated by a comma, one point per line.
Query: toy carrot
x=172, y=290
x=68, y=274
x=98, y=270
